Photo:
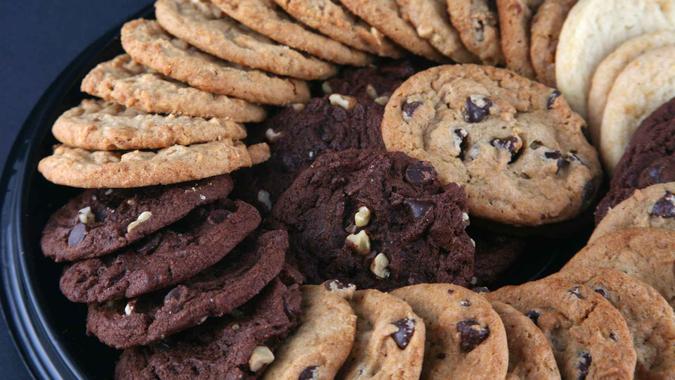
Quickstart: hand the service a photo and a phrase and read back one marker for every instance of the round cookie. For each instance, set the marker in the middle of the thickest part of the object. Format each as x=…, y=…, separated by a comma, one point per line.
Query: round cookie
x=132, y=85
x=377, y=220
x=643, y=253
x=645, y=84
x=465, y=336
x=99, y=125
x=265, y=17
x=530, y=355
x=431, y=21
x=322, y=342
x=609, y=69
x=147, y=43
x=649, y=317
x=331, y=19
x=582, y=45
x=514, y=25
x=513, y=143
x=389, y=340
x=589, y=337
x=385, y=16
x=544, y=33
x=476, y=22
x=653, y=206
x=204, y=26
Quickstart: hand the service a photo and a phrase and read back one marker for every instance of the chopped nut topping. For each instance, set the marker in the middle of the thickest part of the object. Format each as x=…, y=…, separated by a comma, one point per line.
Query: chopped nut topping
x=298, y=107
x=359, y=242
x=346, y=291
x=371, y=91
x=425, y=31
x=465, y=218
x=362, y=217
x=326, y=88
x=264, y=198
x=202, y=197
x=379, y=266
x=382, y=100
x=344, y=101
x=86, y=216
x=144, y=217
x=260, y=357
x=271, y=135
x=129, y=308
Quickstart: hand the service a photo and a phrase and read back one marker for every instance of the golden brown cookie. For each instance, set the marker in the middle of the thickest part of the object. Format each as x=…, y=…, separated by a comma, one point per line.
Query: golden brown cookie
x=476, y=22
x=545, y=30
x=514, y=24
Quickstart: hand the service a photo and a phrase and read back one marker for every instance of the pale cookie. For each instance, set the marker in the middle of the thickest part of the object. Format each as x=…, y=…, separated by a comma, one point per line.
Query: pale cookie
x=82, y=168
x=385, y=16
x=589, y=337
x=653, y=206
x=530, y=354
x=265, y=17
x=513, y=143
x=610, y=68
x=647, y=254
x=99, y=125
x=389, y=339
x=147, y=43
x=430, y=19
x=204, y=26
x=649, y=317
x=132, y=85
x=514, y=24
x=465, y=337
x=322, y=342
x=544, y=33
x=645, y=84
x=476, y=22
x=331, y=19
x=593, y=29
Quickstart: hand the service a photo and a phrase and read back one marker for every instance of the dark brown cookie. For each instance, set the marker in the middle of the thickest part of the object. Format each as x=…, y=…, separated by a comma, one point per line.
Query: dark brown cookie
x=165, y=258
x=221, y=349
x=375, y=81
x=377, y=220
x=98, y=222
x=495, y=255
x=213, y=293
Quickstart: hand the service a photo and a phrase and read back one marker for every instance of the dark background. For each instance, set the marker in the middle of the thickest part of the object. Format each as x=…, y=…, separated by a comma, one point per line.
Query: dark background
x=38, y=39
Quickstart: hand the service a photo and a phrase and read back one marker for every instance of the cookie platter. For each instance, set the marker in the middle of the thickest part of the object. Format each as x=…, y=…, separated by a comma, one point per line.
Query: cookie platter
x=451, y=195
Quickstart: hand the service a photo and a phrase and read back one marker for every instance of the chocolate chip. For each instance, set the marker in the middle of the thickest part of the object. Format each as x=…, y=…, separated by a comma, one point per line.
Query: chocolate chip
x=336, y=285
x=441, y=356
x=533, y=315
x=512, y=144
x=405, y=332
x=612, y=336
x=562, y=161
x=450, y=291
x=149, y=245
x=601, y=291
x=664, y=207
x=460, y=141
x=576, y=291
x=588, y=193
x=409, y=109
x=471, y=334
x=536, y=144
x=584, y=365
x=309, y=373
x=418, y=208
x=77, y=234
x=477, y=108
x=481, y=289
x=552, y=98
x=419, y=173
x=218, y=216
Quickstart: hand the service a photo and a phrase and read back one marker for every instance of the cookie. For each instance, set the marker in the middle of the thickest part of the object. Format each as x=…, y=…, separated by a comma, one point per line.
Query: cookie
x=389, y=340
x=132, y=85
x=147, y=43
x=97, y=169
x=331, y=19
x=385, y=16
x=649, y=317
x=496, y=256
x=376, y=82
x=530, y=354
x=653, y=206
x=648, y=159
x=544, y=33
x=98, y=222
x=168, y=257
x=99, y=125
x=643, y=253
x=476, y=22
x=513, y=143
x=465, y=337
x=589, y=337
x=609, y=69
x=227, y=348
x=514, y=23
x=376, y=220
x=213, y=293
x=636, y=93
x=431, y=21
x=322, y=342
x=204, y=26
x=582, y=45
x=265, y=17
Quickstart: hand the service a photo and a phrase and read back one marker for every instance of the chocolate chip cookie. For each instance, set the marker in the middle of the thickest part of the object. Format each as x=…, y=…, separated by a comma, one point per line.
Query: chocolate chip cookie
x=98, y=222
x=170, y=256
x=476, y=22
x=514, y=144
x=213, y=293
x=377, y=220
x=514, y=23
x=589, y=337
x=465, y=336
x=546, y=26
